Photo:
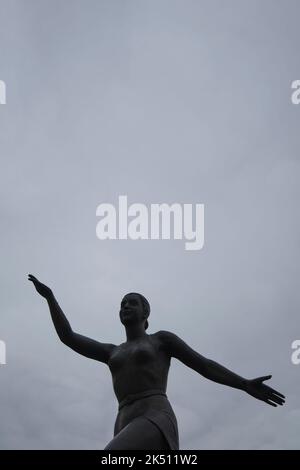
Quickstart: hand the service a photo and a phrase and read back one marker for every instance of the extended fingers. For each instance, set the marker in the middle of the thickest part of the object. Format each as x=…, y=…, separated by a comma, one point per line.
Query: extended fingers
x=270, y=389
x=270, y=403
x=272, y=399
x=277, y=399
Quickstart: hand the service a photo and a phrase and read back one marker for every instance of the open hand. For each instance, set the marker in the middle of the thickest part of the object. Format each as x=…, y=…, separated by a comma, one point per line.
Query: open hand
x=42, y=289
x=257, y=389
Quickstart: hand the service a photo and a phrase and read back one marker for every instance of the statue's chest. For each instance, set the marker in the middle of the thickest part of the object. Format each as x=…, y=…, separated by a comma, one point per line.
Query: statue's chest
x=132, y=355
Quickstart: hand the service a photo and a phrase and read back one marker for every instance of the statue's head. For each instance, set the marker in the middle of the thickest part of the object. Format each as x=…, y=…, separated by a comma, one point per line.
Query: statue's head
x=135, y=308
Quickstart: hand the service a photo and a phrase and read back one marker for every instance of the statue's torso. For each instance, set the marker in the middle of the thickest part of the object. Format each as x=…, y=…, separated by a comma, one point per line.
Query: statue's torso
x=139, y=365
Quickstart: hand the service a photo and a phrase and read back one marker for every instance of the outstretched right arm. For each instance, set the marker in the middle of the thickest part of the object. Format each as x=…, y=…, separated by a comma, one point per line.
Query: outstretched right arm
x=79, y=343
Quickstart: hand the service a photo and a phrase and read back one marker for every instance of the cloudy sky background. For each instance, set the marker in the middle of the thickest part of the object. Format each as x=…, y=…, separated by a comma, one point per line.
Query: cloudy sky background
x=164, y=101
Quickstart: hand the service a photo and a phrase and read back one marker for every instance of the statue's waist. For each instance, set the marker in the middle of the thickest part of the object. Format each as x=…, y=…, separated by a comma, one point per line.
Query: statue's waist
x=138, y=396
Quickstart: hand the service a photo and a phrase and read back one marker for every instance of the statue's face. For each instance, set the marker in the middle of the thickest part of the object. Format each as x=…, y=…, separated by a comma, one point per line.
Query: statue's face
x=132, y=310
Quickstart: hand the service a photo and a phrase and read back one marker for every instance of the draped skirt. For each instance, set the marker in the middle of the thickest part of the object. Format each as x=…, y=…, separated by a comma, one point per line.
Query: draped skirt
x=155, y=407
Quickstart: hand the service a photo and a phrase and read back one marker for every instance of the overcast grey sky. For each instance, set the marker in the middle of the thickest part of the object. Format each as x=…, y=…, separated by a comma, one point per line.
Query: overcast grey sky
x=164, y=101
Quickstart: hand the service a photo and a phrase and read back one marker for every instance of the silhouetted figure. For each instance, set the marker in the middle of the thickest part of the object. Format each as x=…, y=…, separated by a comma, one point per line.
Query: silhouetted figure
x=139, y=369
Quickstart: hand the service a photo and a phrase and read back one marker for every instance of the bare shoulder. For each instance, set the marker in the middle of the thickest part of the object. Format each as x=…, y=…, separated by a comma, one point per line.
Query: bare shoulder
x=165, y=335
x=166, y=339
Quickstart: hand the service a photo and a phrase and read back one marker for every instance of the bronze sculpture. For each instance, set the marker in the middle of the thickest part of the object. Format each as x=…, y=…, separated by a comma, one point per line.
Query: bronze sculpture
x=139, y=369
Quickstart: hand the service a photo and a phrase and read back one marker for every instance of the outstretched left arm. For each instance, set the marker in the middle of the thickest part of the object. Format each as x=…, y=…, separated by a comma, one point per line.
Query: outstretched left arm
x=175, y=347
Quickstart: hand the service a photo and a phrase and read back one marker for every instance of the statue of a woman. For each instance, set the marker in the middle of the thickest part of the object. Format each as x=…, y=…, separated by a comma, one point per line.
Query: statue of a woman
x=139, y=369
